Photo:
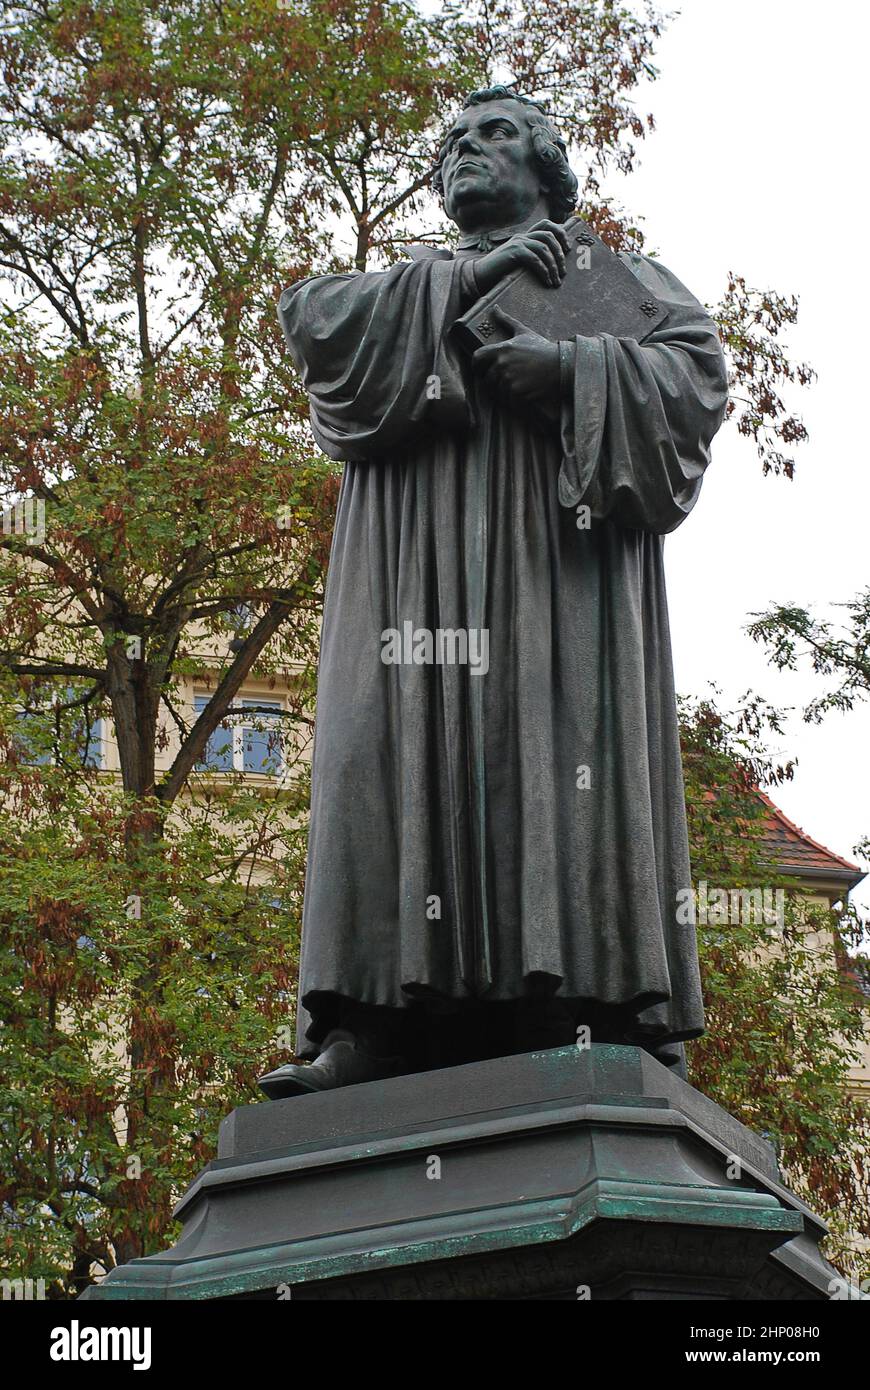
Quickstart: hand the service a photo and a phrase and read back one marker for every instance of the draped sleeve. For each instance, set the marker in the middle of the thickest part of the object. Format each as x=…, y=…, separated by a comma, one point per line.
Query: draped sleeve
x=375, y=356
x=637, y=419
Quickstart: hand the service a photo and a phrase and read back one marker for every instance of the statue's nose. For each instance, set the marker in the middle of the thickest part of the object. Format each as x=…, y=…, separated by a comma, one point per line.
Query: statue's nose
x=468, y=144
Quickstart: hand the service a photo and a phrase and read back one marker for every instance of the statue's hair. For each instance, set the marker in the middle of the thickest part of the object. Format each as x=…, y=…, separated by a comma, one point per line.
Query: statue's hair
x=550, y=151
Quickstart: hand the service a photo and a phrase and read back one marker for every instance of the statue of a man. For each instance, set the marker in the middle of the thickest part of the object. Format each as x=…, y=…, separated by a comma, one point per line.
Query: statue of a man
x=498, y=833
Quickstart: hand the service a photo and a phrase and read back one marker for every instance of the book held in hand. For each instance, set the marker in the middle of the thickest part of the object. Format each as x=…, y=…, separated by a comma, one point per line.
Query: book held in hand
x=598, y=294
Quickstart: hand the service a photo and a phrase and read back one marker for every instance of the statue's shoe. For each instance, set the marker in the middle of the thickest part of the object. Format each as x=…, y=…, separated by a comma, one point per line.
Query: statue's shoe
x=340, y=1064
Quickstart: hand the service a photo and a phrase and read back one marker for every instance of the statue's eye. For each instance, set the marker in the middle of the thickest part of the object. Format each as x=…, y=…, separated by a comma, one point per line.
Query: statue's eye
x=499, y=134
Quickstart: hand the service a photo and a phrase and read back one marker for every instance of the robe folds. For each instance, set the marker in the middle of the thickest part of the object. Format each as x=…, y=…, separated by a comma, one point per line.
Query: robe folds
x=477, y=834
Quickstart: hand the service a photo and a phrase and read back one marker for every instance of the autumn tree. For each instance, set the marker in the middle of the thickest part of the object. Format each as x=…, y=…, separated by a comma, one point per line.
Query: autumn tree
x=164, y=171
x=786, y=1016
x=147, y=201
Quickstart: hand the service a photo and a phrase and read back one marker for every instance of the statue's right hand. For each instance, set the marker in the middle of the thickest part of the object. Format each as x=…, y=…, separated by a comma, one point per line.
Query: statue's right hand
x=542, y=249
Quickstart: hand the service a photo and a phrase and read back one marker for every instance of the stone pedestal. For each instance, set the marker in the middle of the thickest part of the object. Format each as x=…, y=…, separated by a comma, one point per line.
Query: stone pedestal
x=551, y=1175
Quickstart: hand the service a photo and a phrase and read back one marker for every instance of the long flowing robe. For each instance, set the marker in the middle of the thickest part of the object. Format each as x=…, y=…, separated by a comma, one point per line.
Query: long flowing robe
x=473, y=835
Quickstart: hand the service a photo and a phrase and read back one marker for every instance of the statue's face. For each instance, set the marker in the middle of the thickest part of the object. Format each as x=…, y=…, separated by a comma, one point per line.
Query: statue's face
x=489, y=173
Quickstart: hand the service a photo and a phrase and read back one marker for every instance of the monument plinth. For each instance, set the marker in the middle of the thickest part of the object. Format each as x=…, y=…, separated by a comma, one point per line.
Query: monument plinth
x=558, y=1175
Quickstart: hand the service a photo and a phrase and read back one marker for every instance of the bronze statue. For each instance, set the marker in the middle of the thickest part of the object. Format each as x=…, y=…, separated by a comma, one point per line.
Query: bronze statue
x=498, y=831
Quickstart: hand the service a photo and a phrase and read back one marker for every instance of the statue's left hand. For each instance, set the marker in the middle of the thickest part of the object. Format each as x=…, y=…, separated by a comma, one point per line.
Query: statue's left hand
x=525, y=366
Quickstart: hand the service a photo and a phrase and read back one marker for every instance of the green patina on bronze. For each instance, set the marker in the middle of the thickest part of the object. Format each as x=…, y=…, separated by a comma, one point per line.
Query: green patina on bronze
x=594, y=1167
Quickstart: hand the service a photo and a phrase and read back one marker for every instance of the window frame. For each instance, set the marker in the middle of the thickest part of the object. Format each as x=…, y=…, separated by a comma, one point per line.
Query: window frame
x=235, y=725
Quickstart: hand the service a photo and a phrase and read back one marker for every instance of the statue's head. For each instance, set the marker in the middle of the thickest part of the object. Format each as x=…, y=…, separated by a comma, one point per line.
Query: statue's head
x=502, y=161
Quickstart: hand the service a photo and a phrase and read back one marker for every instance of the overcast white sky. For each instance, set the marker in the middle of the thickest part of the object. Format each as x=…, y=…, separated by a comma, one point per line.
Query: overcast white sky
x=759, y=164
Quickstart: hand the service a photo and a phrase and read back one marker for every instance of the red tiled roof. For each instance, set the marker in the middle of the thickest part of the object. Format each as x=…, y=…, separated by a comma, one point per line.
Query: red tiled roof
x=791, y=849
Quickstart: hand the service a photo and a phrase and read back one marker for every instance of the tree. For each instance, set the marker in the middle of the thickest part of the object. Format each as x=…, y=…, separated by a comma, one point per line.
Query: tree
x=147, y=407
x=842, y=653
x=136, y=995
x=372, y=145
x=839, y=653
x=786, y=1017
x=164, y=171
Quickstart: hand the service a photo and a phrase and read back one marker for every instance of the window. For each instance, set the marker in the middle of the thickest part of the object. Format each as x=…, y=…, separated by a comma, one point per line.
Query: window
x=261, y=742
x=33, y=738
x=219, y=749
x=240, y=618
x=91, y=742
x=42, y=733
x=245, y=745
